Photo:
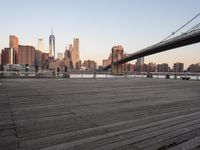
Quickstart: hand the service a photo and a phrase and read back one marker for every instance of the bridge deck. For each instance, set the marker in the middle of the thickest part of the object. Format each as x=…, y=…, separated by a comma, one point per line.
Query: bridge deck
x=86, y=114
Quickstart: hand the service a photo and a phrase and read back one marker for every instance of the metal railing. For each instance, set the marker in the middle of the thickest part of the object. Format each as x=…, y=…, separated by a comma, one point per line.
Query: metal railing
x=92, y=74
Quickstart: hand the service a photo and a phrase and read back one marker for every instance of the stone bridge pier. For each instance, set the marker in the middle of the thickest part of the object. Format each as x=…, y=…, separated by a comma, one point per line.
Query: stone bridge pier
x=117, y=54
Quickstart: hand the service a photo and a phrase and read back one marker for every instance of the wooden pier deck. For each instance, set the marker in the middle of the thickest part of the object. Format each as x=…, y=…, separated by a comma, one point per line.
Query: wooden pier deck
x=99, y=114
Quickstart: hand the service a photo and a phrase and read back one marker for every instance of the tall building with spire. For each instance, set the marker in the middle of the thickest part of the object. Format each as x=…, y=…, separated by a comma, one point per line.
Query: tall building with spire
x=52, y=45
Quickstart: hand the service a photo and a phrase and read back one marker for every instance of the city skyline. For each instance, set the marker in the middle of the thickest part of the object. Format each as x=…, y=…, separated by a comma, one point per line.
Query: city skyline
x=100, y=25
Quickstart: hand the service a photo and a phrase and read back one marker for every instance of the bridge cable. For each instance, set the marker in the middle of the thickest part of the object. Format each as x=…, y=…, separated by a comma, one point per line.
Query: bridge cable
x=181, y=27
x=173, y=33
x=193, y=28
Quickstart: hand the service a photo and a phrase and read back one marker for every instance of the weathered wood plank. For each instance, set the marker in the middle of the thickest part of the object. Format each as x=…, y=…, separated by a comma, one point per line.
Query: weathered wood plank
x=192, y=143
x=98, y=114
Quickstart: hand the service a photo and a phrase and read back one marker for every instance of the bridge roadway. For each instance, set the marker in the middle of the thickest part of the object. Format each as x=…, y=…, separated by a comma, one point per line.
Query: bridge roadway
x=176, y=42
x=99, y=114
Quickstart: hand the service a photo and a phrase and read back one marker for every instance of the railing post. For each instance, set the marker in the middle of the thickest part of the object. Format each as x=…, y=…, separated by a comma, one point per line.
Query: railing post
x=81, y=74
x=94, y=75
x=175, y=76
x=125, y=75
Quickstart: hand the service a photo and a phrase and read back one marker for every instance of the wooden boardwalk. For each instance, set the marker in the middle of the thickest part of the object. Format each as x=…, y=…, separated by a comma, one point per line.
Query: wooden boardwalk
x=99, y=114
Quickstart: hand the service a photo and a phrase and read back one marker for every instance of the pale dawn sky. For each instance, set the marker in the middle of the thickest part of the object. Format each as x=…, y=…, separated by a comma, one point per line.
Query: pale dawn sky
x=101, y=24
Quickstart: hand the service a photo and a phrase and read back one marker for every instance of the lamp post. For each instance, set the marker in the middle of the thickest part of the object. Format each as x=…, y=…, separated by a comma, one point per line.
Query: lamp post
x=27, y=68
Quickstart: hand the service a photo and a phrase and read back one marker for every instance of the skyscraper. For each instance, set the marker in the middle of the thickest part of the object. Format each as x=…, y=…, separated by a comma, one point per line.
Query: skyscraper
x=13, y=45
x=8, y=56
x=52, y=45
x=60, y=56
x=45, y=57
x=41, y=45
x=139, y=65
x=67, y=57
x=67, y=54
x=75, y=53
x=194, y=68
x=26, y=55
x=90, y=65
x=178, y=67
x=70, y=49
x=13, y=41
x=38, y=58
x=140, y=61
x=164, y=67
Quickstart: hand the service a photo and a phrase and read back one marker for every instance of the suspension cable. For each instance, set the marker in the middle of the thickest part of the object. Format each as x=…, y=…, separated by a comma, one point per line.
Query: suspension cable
x=181, y=27
x=193, y=28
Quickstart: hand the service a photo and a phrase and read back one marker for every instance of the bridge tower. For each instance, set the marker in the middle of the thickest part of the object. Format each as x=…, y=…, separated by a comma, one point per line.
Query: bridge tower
x=117, y=54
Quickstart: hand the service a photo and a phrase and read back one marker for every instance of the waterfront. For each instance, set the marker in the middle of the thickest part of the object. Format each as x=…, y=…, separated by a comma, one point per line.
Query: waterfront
x=84, y=114
x=103, y=75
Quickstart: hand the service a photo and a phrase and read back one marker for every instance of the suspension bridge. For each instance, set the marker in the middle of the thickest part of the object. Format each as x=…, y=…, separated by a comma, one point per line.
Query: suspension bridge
x=189, y=37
